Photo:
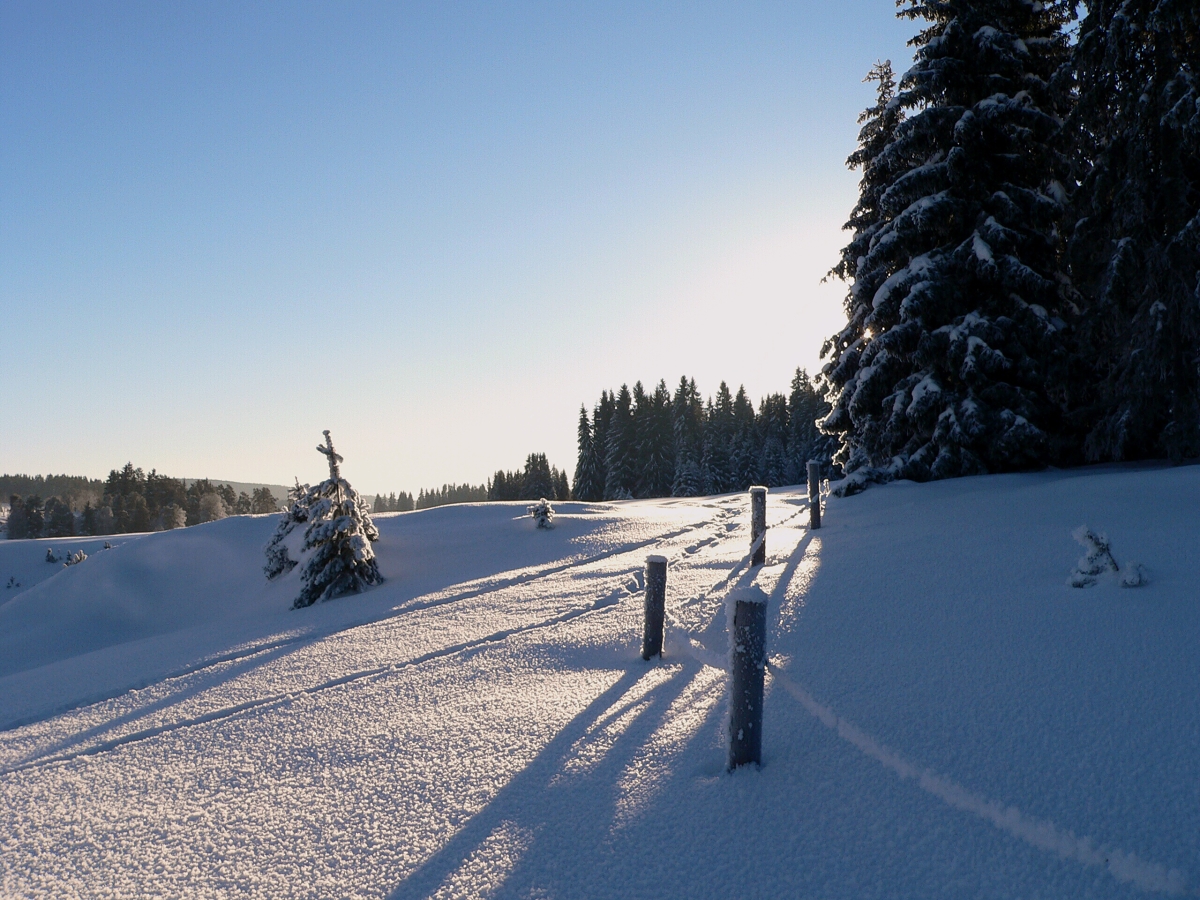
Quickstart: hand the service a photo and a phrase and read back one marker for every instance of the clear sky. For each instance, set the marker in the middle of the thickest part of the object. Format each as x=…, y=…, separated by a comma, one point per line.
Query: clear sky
x=435, y=229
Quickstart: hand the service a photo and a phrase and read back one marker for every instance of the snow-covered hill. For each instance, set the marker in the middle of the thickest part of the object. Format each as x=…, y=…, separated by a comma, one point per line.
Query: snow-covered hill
x=945, y=716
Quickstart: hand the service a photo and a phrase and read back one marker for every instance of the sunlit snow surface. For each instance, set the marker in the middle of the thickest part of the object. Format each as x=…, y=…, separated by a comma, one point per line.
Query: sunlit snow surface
x=947, y=718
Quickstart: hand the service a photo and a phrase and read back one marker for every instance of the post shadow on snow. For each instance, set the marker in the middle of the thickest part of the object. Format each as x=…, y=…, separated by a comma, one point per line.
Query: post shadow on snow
x=569, y=819
x=781, y=586
x=192, y=689
x=717, y=628
x=565, y=813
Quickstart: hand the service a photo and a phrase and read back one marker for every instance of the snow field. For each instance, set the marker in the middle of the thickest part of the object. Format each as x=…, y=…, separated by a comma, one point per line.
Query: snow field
x=944, y=716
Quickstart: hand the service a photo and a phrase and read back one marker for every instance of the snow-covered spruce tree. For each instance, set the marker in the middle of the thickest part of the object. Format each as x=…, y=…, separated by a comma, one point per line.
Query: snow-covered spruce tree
x=337, y=542
x=947, y=364
x=654, y=442
x=543, y=513
x=620, y=473
x=715, y=464
x=773, y=427
x=744, y=448
x=589, y=484
x=687, y=426
x=279, y=558
x=878, y=128
x=1135, y=249
x=805, y=441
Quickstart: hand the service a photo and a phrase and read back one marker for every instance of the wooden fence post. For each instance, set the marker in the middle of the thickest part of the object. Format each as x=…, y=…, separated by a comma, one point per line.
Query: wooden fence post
x=656, y=606
x=758, y=525
x=814, y=495
x=748, y=642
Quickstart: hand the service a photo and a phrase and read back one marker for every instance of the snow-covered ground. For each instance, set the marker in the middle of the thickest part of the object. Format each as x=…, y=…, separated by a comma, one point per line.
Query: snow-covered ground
x=945, y=716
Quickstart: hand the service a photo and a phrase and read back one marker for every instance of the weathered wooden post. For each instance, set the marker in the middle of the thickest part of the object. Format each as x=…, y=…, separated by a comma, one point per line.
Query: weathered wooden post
x=758, y=525
x=656, y=606
x=748, y=652
x=814, y=494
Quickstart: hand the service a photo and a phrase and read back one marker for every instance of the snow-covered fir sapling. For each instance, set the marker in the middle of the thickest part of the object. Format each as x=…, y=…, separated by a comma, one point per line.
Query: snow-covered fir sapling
x=50, y=557
x=1099, y=560
x=279, y=560
x=75, y=558
x=543, y=513
x=337, y=542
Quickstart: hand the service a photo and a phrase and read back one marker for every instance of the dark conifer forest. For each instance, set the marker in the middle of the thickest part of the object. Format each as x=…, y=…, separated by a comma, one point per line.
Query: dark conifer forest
x=638, y=443
x=1024, y=262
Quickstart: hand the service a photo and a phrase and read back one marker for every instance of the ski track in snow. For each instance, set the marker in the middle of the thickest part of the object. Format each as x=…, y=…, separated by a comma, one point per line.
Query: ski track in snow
x=612, y=599
x=631, y=578
x=453, y=594
x=1125, y=867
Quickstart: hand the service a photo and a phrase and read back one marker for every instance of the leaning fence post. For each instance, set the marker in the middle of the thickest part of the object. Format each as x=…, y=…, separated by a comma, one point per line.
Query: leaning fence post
x=748, y=644
x=656, y=606
x=814, y=495
x=758, y=525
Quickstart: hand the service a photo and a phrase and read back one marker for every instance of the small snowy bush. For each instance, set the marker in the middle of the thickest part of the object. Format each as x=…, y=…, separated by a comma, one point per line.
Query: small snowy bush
x=1099, y=560
x=75, y=558
x=279, y=560
x=50, y=557
x=543, y=513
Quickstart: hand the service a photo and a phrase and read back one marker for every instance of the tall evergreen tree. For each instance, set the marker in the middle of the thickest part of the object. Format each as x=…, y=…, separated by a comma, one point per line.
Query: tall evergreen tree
x=17, y=525
x=1135, y=249
x=772, y=427
x=35, y=520
x=805, y=441
x=620, y=472
x=950, y=371
x=687, y=422
x=655, y=443
x=562, y=487
x=601, y=417
x=60, y=521
x=715, y=461
x=538, y=480
x=588, y=483
x=744, y=449
x=878, y=128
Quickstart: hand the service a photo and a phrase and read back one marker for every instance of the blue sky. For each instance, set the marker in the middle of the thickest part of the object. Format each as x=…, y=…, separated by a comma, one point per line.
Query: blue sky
x=434, y=229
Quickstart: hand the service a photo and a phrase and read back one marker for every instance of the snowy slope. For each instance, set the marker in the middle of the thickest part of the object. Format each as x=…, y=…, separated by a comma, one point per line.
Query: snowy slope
x=945, y=717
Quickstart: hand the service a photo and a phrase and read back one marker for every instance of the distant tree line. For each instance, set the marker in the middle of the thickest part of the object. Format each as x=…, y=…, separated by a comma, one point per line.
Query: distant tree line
x=74, y=489
x=129, y=500
x=539, y=480
x=643, y=443
x=401, y=502
x=450, y=493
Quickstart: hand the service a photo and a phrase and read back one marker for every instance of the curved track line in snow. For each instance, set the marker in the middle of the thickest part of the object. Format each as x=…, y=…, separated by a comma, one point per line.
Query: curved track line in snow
x=311, y=635
x=632, y=582
x=1044, y=835
x=611, y=599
